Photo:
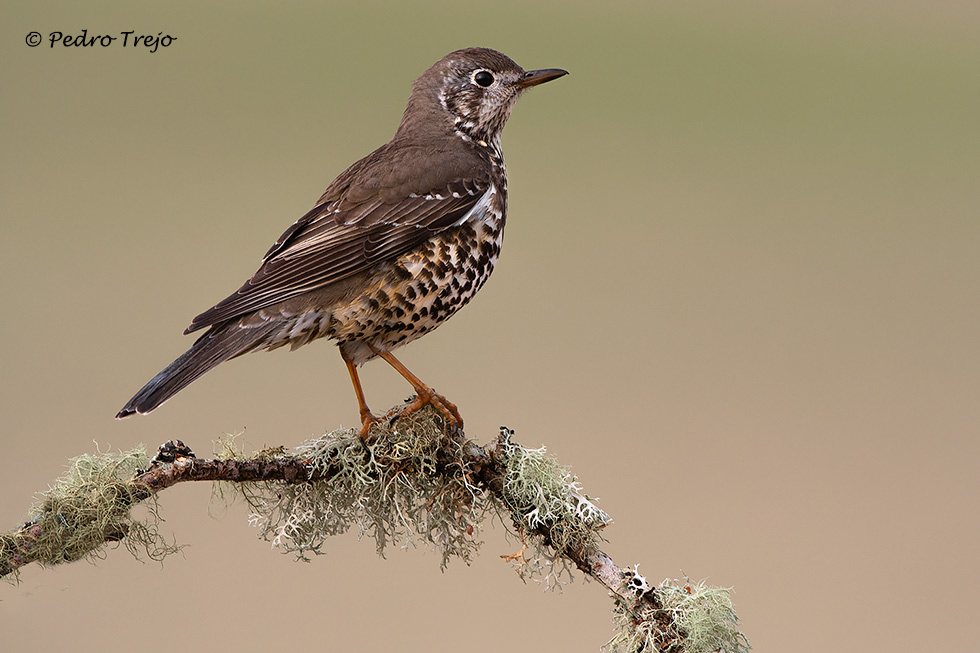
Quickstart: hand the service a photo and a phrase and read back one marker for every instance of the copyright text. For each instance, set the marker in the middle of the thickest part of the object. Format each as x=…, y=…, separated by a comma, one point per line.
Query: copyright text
x=124, y=39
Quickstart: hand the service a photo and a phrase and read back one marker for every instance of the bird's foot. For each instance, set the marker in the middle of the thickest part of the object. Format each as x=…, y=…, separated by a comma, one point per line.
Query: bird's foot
x=423, y=393
x=428, y=396
x=368, y=420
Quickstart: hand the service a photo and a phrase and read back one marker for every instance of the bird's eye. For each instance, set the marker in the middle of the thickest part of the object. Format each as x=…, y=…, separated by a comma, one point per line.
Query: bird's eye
x=483, y=78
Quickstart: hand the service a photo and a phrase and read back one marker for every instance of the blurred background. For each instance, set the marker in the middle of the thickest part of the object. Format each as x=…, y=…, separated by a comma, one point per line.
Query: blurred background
x=738, y=296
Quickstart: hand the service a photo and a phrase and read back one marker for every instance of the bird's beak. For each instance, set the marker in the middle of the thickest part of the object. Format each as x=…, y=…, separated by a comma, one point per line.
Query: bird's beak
x=535, y=77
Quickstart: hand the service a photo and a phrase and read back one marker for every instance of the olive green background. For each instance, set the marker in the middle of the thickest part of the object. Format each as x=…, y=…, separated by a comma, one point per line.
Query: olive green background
x=738, y=295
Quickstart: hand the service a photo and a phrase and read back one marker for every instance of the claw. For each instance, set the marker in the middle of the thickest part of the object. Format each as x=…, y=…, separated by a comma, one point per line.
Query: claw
x=426, y=395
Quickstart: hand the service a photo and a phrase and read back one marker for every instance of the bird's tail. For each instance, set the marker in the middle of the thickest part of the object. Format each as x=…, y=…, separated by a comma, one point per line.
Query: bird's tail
x=214, y=347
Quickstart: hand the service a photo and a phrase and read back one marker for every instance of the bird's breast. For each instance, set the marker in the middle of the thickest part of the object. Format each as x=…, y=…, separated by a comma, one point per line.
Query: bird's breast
x=421, y=289
x=402, y=298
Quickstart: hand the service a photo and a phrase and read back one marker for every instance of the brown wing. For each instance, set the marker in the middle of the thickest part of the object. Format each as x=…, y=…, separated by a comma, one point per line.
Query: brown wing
x=374, y=211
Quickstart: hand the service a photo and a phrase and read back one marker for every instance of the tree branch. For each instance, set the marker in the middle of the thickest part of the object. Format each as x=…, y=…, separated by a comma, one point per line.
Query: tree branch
x=412, y=477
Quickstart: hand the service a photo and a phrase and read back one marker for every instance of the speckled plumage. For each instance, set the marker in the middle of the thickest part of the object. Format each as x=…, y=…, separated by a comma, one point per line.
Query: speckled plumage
x=395, y=246
x=398, y=300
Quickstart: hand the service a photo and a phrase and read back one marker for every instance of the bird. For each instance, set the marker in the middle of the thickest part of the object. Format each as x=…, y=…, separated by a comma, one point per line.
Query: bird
x=397, y=243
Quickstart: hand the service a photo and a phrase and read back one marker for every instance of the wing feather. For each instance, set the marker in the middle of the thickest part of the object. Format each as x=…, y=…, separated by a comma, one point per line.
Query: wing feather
x=339, y=239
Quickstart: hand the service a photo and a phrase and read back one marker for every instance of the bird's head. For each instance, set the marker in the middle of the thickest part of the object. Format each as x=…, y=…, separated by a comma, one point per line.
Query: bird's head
x=471, y=91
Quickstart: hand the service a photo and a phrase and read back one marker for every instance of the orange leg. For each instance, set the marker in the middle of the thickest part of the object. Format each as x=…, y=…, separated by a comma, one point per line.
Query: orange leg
x=367, y=418
x=424, y=394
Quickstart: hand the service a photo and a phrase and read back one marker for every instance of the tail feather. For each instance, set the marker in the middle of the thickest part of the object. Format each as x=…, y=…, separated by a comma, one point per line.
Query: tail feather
x=214, y=347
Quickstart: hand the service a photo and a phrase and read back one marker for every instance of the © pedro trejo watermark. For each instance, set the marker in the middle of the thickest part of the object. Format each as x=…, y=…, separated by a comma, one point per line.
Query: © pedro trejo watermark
x=124, y=39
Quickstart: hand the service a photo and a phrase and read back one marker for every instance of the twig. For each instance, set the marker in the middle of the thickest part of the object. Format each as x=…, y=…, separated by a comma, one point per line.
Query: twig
x=529, y=498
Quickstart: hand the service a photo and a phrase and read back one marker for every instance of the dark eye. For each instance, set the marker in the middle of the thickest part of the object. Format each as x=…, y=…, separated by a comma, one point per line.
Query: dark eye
x=483, y=78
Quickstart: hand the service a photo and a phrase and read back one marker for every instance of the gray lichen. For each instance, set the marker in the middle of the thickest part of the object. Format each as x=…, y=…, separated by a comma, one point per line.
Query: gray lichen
x=405, y=487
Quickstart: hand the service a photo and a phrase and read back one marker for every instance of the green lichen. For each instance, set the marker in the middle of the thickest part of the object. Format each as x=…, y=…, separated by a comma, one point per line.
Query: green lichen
x=683, y=616
x=550, y=508
x=87, y=507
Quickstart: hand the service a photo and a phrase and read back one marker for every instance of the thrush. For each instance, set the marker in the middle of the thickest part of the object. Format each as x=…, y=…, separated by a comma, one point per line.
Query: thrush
x=398, y=243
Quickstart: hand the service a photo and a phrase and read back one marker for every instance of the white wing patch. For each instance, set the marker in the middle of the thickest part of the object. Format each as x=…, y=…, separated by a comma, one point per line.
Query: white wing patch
x=479, y=211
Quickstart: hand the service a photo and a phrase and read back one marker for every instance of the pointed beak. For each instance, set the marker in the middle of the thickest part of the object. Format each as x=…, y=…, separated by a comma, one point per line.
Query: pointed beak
x=535, y=77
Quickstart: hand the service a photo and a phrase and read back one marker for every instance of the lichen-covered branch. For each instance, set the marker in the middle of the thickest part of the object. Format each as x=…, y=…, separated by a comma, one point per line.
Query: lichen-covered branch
x=414, y=481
